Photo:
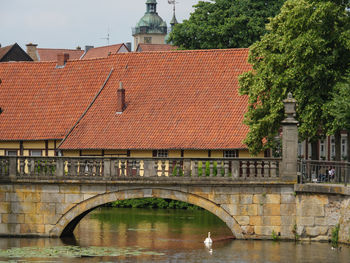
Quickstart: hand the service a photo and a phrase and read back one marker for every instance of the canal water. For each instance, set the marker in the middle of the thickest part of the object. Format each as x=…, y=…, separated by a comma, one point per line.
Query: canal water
x=152, y=235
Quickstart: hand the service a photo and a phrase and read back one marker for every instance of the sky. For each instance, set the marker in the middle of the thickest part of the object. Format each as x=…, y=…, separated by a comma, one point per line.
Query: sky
x=72, y=23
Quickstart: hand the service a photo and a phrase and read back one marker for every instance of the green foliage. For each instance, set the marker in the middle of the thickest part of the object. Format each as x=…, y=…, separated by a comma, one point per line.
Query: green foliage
x=275, y=237
x=225, y=24
x=154, y=203
x=295, y=233
x=306, y=51
x=335, y=236
x=337, y=110
x=177, y=170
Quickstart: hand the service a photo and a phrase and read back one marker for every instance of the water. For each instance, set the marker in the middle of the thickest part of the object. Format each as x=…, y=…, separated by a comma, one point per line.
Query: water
x=146, y=235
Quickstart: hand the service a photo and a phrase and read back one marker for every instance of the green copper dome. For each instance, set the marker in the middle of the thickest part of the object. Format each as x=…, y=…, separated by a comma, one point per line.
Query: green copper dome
x=151, y=22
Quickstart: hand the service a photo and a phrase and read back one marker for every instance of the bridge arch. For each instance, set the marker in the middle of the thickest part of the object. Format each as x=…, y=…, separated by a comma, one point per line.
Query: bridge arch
x=67, y=223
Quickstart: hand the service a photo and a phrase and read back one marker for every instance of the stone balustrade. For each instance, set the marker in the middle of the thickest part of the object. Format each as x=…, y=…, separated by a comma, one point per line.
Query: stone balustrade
x=240, y=169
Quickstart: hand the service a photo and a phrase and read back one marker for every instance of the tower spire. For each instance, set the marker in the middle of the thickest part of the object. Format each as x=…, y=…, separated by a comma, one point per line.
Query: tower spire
x=173, y=21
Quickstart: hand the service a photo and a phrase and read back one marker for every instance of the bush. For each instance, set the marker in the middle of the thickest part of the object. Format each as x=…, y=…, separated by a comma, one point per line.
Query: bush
x=153, y=203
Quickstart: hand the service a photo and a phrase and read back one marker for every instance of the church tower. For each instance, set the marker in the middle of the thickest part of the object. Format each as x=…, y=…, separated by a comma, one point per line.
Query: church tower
x=151, y=29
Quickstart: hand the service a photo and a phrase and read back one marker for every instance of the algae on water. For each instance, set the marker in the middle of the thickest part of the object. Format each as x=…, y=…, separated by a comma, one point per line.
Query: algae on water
x=72, y=251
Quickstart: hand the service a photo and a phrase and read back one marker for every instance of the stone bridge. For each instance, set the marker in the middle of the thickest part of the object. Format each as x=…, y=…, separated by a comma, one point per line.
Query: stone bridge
x=48, y=196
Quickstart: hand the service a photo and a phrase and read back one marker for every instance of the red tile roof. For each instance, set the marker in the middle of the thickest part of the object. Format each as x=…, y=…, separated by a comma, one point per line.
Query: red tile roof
x=50, y=54
x=175, y=100
x=155, y=47
x=40, y=101
x=103, y=52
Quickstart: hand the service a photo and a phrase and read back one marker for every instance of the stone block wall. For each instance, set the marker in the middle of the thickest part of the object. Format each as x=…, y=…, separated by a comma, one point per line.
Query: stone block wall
x=319, y=209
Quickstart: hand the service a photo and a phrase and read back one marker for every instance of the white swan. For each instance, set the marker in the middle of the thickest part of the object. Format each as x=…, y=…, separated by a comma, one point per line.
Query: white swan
x=208, y=240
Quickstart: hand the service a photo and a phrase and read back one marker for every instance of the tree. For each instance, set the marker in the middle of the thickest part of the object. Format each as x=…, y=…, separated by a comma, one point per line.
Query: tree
x=225, y=24
x=337, y=113
x=306, y=51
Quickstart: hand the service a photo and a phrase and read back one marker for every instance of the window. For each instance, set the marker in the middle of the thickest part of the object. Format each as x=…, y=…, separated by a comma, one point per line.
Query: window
x=322, y=149
x=35, y=153
x=343, y=147
x=160, y=153
x=11, y=152
x=300, y=149
x=230, y=153
x=332, y=147
x=148, y=40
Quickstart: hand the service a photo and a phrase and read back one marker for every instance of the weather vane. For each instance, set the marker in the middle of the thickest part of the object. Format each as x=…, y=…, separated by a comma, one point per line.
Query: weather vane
x=173, y=2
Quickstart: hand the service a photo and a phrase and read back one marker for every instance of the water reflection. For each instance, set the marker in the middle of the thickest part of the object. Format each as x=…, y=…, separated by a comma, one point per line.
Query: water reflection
x=146, y=235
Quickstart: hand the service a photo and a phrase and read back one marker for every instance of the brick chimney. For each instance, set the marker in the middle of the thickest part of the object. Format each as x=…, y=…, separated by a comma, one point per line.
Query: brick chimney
x=62, y=58
x=32, y=51
x=120, y=98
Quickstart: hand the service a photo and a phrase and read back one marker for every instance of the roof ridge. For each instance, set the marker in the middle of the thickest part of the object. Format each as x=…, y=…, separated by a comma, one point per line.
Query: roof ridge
x=87, y=109
x=60, y=49
x=106, y=46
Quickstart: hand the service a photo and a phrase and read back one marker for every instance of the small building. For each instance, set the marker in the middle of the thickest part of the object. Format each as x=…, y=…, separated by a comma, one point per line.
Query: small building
x=13, y=53
x=104, y=51
x=50, y=54
x=90, y=52
x=151, y=29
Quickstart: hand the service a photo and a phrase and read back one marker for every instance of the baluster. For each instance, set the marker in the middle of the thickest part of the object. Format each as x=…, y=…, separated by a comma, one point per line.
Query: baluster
x=39, y=167
x=137, y=168
x=226, y=168
x=273, y=169
x=176, y=169
x=211, y=169
x=53, y=167
x=84, y=167
x=170, y=168
x=21, y=166
x=155, y=168
x=252, y=169
x=44, y=168
x=266, y=169
x=116, y=168
x=98, y=168
x=218, y=169
x=163, y=166
x=259, y=168
x=131, y=167
x=76, y=164
x=69, y=164
x=244, y=169
x=74, y=168
x=195, y=169
x=122, y=166
x=90, y=168
x=29, y=167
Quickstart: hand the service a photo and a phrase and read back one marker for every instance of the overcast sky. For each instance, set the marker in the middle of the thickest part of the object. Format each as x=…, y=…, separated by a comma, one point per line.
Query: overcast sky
x=72, y=23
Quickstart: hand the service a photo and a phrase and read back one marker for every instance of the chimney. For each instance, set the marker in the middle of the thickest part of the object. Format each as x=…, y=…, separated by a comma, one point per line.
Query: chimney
x=87, y=48
x=62, y=58
x=128, y=45
x=32, y=51
x=120, y=98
